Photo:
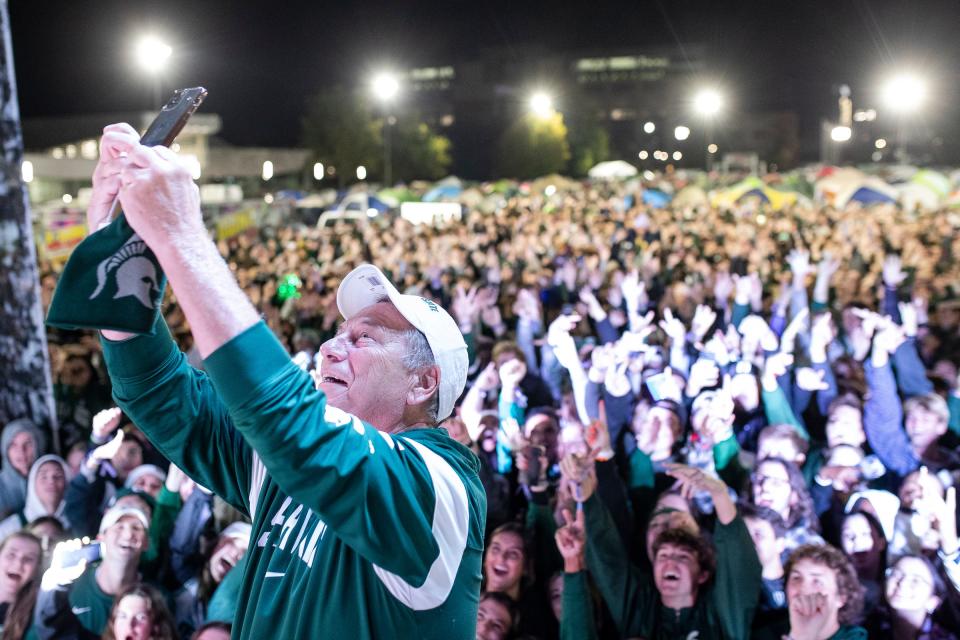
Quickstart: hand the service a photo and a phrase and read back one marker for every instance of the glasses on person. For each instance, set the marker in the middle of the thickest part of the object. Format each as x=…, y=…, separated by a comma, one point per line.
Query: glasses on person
x=911, y=581
x=776, y=483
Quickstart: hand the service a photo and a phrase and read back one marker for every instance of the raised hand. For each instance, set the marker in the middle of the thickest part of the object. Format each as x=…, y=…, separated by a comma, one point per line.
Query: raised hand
x=703, y=375
x=811, y=379
x=116, y=139
x=888, y=336
x=722, y=287
x=703, y=319
x=104, y=451
x=634, y=290
x=571, y=541
x=106, y=422
x=827, y=266
x=893, y=273
x=799, y=261
x=59, y=574
x=673, y=327
x=809, y=613
x=580, y=472
x=908, y=319
x=465, y=307
x=511, y=373
x=821, y=334
x=562, y=343
x=594, y=308
x=693, y=480
x=797, y=324
x=527, y=306
x=489, y=379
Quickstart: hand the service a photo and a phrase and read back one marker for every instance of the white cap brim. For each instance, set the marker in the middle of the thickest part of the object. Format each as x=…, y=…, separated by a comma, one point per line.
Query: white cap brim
x=366, y=285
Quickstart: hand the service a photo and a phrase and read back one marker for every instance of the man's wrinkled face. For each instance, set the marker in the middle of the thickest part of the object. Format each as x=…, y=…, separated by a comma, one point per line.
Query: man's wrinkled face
x=362, y=367
x=676, y=571
x=845, y=426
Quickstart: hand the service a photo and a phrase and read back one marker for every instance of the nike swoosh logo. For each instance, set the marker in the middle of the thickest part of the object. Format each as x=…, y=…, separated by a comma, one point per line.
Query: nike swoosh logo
x=271, y=574
x=78, y=610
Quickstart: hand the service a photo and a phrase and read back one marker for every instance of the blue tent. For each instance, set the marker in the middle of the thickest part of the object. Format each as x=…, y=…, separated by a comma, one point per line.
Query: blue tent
x=443, y=192
x=655, y=198
x=866, y=195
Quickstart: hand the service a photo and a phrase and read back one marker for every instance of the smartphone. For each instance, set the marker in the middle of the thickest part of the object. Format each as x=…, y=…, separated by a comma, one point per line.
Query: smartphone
x=91, y=553
x=658, y=384
x=533, y=454
x=169, y=122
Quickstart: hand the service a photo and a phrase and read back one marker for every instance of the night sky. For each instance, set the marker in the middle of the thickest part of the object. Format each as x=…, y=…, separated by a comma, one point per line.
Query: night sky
x=261, y=60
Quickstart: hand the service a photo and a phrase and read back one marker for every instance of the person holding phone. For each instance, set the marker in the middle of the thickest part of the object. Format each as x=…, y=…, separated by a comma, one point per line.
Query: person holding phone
x=360, y=506
x=78, y=590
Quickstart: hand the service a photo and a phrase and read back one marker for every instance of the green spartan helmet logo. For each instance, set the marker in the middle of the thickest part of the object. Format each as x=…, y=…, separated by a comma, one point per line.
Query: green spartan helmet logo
x=135, y=275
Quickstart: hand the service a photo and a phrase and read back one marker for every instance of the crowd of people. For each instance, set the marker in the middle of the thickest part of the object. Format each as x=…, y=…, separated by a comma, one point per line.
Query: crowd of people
x=690, y=422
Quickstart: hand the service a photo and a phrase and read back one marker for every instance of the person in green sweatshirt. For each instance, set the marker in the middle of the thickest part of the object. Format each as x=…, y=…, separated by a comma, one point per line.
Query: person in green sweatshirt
x=693, y=588
x=367, y=519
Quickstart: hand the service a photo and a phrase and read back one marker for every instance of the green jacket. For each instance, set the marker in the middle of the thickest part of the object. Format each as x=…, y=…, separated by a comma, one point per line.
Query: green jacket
x=723, y=610
x=356, y=533
x=577, y=621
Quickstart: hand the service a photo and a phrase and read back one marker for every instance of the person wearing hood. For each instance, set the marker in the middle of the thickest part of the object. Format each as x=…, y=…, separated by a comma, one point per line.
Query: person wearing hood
x=46, y=486
x=20, y=444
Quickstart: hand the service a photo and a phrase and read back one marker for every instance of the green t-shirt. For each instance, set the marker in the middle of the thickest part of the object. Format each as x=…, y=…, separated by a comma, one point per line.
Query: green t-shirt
x=89, y=603
x=356, y=533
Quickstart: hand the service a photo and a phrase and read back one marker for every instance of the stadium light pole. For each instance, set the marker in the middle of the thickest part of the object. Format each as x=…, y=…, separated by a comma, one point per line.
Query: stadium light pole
x=385, y=87
x=541, y=104
x=152, y=55
x=904, y=94
x=708, y=103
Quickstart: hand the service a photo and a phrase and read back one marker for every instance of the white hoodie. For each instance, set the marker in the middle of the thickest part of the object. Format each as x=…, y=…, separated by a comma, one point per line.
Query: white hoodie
x=33, y=508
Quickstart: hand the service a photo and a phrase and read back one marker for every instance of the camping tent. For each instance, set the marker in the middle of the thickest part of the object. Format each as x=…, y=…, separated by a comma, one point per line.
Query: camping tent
x=753, y=187
x=846, y=185
x=612, y=170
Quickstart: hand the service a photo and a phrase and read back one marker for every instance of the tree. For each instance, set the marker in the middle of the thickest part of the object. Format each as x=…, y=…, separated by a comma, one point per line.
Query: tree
x=589, y=144
x=533, y=146
x=26, y=390
x=340, y=130
x=418, y=152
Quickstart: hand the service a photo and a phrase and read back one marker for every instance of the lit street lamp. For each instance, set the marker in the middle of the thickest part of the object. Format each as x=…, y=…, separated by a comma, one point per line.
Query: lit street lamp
x=904, y=94
x=541, y=104
x=385, y=89
x=681, y=133
x=152, y=55
x=707, y=103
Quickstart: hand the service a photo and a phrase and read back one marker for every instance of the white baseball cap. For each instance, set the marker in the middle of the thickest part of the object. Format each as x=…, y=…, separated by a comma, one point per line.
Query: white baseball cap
x=366, y=285
x=113, y=515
